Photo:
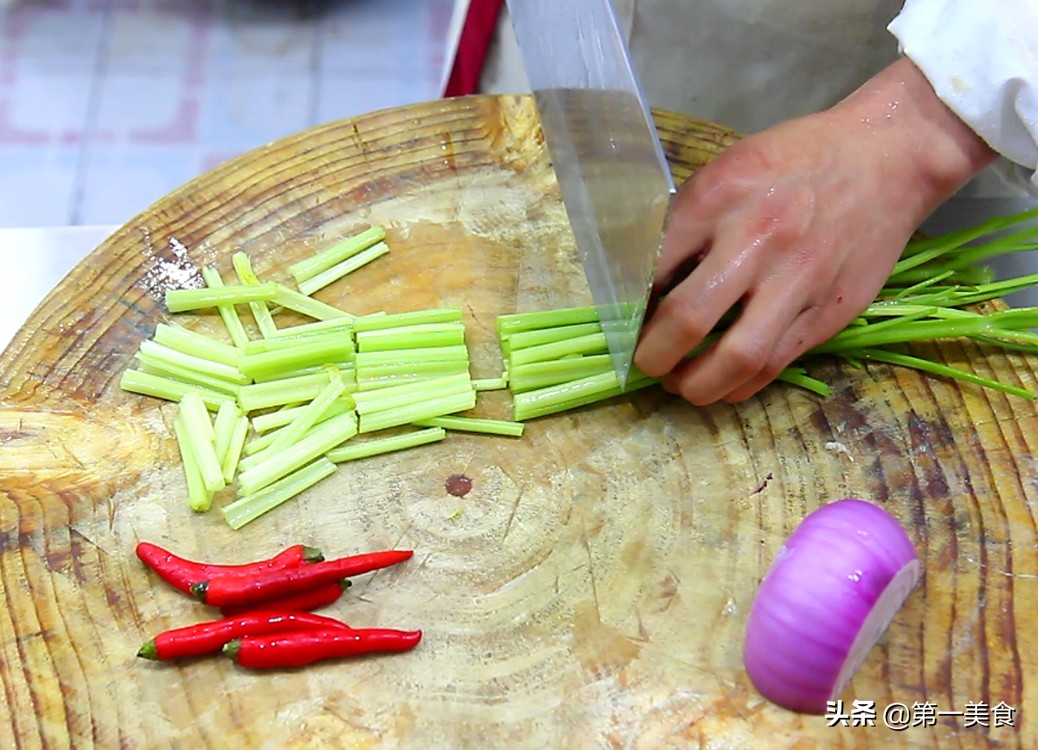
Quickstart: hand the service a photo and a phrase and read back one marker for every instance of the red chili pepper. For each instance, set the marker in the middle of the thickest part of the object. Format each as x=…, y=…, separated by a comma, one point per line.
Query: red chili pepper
x=299, y=648
x=180, y=573
x=210, y=637
x=236, y=591
x=301, y=602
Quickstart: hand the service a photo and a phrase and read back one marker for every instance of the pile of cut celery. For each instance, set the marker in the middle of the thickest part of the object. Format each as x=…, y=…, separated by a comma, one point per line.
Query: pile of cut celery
x=271, y=415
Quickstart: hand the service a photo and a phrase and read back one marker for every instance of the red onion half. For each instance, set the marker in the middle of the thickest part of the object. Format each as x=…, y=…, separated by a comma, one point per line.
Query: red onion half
x=830, y=593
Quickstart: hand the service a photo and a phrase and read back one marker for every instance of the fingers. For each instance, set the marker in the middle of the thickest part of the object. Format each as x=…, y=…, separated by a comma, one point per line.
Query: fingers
x=747, y=352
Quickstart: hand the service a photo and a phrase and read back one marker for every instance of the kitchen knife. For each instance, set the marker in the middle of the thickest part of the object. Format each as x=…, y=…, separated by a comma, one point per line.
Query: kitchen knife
x=608, y=159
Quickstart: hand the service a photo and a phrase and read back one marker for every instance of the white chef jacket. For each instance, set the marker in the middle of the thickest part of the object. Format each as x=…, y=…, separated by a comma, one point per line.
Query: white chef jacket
x=749, y=64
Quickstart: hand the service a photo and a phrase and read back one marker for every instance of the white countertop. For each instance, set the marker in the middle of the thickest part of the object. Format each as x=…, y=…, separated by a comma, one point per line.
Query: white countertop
x=35, y=260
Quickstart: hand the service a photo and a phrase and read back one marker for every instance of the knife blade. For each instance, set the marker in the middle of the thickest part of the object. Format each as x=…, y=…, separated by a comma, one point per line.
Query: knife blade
x=610, y=165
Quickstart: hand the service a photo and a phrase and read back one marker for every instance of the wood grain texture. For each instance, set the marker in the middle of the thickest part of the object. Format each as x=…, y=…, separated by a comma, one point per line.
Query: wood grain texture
x=591, y=591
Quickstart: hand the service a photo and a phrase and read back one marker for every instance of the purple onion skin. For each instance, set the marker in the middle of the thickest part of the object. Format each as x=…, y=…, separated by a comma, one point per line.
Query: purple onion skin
x=815, y=597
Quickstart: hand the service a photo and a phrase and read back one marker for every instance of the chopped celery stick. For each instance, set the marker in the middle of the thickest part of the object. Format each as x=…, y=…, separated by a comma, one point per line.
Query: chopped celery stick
x=368, y=375
x=552, y=372
x=250, y=507
x=228, y=313
x=184, y=375
x=433, y=391
x=523, y=339
x=223, y=427
x=458, y=353
x=280, y=392
x=516, y=322
x=231, y=458
x=160, y=353
x=301, y=355
x=179, y=300
x=196, y=344
x=381, y=420
x=336, y=272
x=354, y=450
x=343, y=325
x=411, y=337
x=371, y=400
x=198, y=497
x=243, y=268
x=282, y=343
x=346, y=372
x=576, y=393
x=322, y=261
x=319, y=441
x=200, y=433
x=490, y=384
x=273, y=420
x=372, y=382
x=592, y=343
x=290, y=299
x=797, y=376
x=474, y=424
x=148, y=384
x=377, y=321
x=307, y=418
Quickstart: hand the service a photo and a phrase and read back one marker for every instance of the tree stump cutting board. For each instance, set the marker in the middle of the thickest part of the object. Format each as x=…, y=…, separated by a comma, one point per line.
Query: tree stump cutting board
x=592, y=588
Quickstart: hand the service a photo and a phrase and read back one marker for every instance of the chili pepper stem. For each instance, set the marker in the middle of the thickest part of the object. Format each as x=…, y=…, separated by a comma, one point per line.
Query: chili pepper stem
x=231, y=649
x=148, y=650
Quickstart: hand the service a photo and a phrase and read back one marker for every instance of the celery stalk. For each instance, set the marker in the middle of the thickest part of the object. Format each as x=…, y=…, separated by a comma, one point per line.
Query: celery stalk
x=227, y=417
x=528, y=321
x=352, y=451
x=152, y=366
x=419, y=336
x=319, y=441
x=250, y=507
x=336, y=272
x=280, y=392
x=552, y=399
x=263, y=423
x=552, y=372
x=537, y=337
x=307, y=418
x=303, y=354
x=322, y=261
x=592, y=343
x=394, y=396
x=491, y=384
x=198, y=497
x=243, y=268
x=378, y=321
x=290, y=299
x=474, y=424
x=228, y=313
x=159, y=354
x=414, y=412
x=196, y=344
x=458, y=353
x=393, y=373
x=180, y=300
x=342, y=325
x=231, y=458
x=148, y=384
x=201, y=436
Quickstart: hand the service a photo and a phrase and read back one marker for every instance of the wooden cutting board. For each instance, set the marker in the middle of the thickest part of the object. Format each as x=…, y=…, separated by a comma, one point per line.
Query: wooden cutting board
x=591, y=590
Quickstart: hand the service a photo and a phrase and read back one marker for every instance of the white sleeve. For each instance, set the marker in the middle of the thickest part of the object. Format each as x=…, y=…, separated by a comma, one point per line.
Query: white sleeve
x=981, y=57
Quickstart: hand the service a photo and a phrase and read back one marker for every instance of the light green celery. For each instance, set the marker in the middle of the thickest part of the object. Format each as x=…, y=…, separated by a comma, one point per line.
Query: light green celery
x=354, y=450
x=378, y=321
x=159, y=354
x=936, y=368
x=594, y=343
x=537, y=337
x=228, y=313
x=302, y=355
x=394, y=396
x=921, y=286
x=369, y=376
x=535, y=375
x=227, y=417
x=342, y=325
x=283, y=343
x=263, y=423
x=290, y=299
x=149, y=384
x=896, y=332
x=198, y=497
x=319, y=441
x=250, y=507
x=515, y=322
x=260, y=312
x=280, y=392
x=798, y=377
x=346, y=371
x=340, y=251
x=184, y=375
x=411, y=337
x=200, y=433
x=307, y=418
x=475, y=424
x=348, y=266
x=556, y=398
x=196, y=344
x=458, y=353
x=180, y=300
x=240, y=434
x=454, y=402
x=491, y=384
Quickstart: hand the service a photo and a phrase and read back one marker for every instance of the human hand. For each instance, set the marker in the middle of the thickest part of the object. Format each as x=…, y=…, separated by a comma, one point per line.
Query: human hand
x=800, y=225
